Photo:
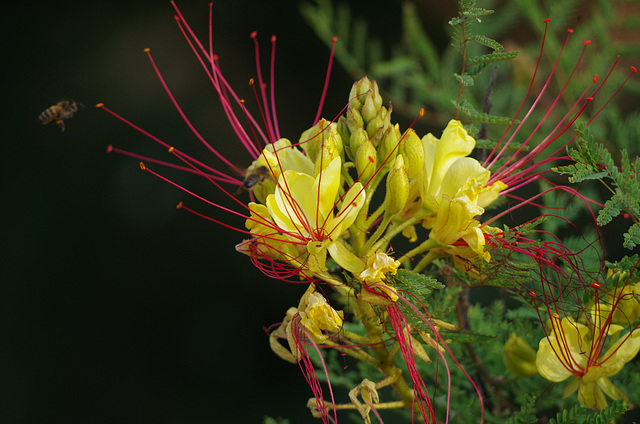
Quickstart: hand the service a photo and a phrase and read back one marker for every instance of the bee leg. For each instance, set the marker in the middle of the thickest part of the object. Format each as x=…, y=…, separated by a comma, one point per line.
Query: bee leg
x=60, y=123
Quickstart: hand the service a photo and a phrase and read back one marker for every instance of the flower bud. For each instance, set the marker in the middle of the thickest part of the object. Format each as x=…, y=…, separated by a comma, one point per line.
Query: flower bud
x=329, y=149
x=378, y=125
x=343, y=131
x=369, y=110
x=355, y=141
x=366, y=161
x=413, y=151
x=354, y=119
x=355, y=101
x=388, y=148
x=519, y=357
x=397, y=187
x=322, y=138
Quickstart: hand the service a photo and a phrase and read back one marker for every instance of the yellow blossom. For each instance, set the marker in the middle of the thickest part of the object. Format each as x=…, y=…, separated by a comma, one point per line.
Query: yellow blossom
x=304, y=206
x=454, y=188
x=575, y=349
x=279, y=157
x=316, y=315
x=379, y=265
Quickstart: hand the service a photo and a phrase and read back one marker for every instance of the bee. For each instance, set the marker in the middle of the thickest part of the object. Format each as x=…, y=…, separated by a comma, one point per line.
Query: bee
x=254, y=177
x=58, y=113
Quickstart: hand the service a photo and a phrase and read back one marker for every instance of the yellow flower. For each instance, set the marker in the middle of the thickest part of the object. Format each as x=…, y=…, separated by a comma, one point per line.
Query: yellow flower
x=304, y=206
x=379, y=265
x=575, y=349
x=279, y=157
x=447, y=170
x=266, y=237
x=454, y=189
x=316, y=315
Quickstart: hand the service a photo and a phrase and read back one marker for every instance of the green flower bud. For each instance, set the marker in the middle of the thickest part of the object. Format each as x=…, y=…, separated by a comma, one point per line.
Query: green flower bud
x=378, y=125
x=355, y=141
x=330, y=148
x=369, y=110
x=366, y=161
x=316, y=139
x=413, y=151
x=388, y=148
x=343, y=130
x=354, y=119
x=377, y=98
x=397, y=187
x=519, y=357
x=355, y=101
x=363, y=87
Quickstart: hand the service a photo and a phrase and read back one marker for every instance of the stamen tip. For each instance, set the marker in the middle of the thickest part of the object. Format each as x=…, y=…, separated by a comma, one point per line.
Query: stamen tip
x=100, y=105
x=596, y=285
x=251, y=81
x=253, y=34
x=147, y=50
x=273, y=38
x=586, y=42
x=634, y=69
x=171, y=149
x=334, y=39
x=144, y=168
x=532, y=293
x=595, y=78
x=109, y=148
x=546, y=21
x=588, y=99
x=421, y=112
x=179, y=205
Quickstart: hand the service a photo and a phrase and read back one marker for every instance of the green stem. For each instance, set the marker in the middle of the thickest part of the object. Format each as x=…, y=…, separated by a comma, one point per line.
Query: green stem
x=424, y=246
x=426, y=260
x=383, y=226
x=397, y=229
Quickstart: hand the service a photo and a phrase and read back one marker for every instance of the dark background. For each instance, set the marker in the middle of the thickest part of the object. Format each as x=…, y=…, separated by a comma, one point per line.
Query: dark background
x=114, y=306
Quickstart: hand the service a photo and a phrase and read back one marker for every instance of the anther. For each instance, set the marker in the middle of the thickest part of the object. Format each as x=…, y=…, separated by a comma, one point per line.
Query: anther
x=595, y=78
x=555, y=315
x=570, y=31
x=273, y=38
x=586, y=42
x=144, y=168
x=421, y=112
x=334, y=39
x=171, y=149
x=254, y=34
x=546, y=21
x=109, y=148
x=147, y=50
x=634, y=69
x=100, y=105
x=596, y=285
x=532, y=293
x=179, y=205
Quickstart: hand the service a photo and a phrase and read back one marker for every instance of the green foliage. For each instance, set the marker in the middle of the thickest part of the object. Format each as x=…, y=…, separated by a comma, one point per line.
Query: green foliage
x=594, y=162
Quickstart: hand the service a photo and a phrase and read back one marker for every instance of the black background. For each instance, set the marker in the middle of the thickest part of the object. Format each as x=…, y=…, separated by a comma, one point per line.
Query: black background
x=116, y=307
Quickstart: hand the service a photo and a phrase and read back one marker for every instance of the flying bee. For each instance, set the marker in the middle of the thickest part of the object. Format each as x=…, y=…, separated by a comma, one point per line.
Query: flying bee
x=58, y=113
x=254, y=177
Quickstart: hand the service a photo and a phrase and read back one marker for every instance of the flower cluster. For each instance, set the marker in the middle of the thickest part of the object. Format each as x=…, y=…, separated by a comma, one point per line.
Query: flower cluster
x=328, y=208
